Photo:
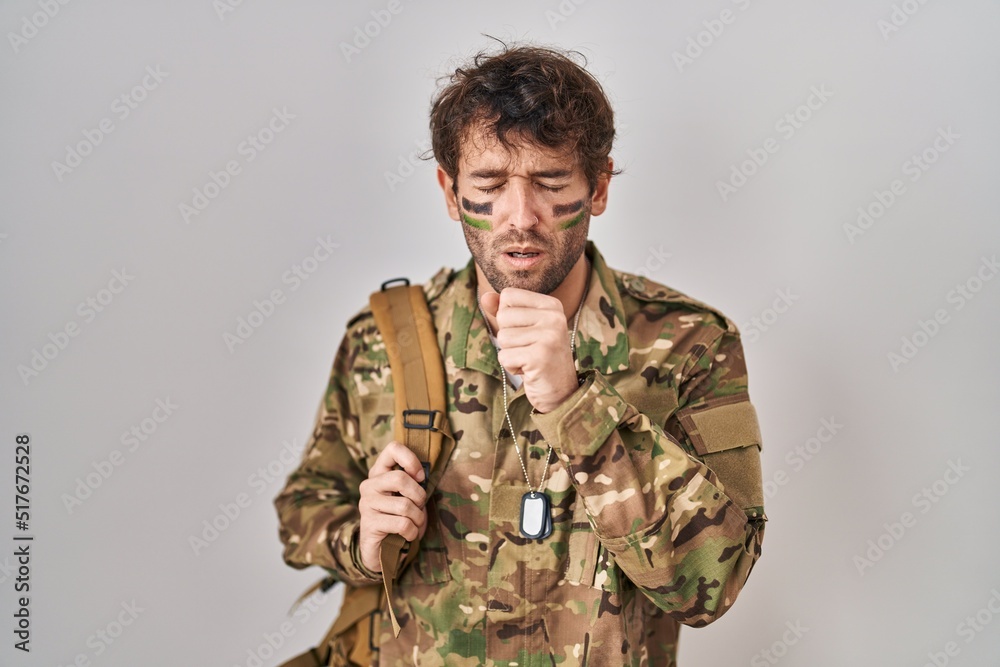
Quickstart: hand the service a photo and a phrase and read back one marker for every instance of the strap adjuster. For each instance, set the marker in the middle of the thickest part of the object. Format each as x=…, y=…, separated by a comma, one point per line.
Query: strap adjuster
x=372, y=644
x=431, y=416
x=404, y=281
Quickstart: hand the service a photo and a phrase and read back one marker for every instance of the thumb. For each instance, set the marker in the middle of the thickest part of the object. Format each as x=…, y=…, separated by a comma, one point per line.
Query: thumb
x=490, y=302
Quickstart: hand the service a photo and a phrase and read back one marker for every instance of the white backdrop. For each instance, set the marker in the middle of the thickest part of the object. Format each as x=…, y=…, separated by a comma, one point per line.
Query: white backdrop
x=822, y=172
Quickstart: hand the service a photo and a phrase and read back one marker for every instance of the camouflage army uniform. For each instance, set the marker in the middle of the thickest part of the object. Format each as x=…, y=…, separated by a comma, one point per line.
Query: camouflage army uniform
x=645, y=536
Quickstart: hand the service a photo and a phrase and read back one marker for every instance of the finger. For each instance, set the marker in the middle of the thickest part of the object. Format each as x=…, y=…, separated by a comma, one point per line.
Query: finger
x=515, y=297
x=396, y=506
x=377, y=519
x=490, y=301
x=511, y=337
x=388, y=524
x=394, y=483
x=529, y=317
x=397, y=454
x=512, y=360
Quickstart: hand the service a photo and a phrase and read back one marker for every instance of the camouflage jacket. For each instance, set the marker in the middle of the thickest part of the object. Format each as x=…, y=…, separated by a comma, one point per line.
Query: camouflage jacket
x=656, y=494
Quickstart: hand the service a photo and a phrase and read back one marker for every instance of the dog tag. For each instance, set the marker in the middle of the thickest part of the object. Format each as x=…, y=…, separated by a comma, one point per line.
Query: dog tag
x=536, y=515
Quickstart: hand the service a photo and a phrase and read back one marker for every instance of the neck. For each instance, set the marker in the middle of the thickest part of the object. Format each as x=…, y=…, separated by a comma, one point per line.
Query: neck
x=572, y=290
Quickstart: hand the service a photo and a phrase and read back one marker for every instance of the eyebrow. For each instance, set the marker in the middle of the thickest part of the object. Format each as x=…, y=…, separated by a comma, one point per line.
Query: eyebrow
x=553, y=173
x=489, y=174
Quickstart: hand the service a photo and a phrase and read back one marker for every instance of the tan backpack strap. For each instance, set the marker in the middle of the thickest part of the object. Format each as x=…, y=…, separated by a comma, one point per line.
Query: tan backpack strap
x=310, y=658
x=323, y=584
x=360, y=605
x=359, y=601
x=407, y=328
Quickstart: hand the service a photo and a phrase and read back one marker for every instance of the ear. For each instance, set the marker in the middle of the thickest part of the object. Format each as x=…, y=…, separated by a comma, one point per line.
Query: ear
x=447, y=184
x=599, y=200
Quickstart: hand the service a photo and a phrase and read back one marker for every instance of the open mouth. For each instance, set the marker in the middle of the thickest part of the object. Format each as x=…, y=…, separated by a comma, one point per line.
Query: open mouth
x=523, y=260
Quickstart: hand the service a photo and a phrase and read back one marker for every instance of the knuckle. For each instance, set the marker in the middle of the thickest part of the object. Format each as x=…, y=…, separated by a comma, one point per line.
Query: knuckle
x=400, y=479
x=401, y=525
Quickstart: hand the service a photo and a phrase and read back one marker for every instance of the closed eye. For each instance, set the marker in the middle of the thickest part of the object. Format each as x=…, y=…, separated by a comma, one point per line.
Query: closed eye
x=547, y=188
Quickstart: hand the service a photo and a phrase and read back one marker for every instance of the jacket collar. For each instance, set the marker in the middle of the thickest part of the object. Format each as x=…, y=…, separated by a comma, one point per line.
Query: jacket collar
x=601, y=337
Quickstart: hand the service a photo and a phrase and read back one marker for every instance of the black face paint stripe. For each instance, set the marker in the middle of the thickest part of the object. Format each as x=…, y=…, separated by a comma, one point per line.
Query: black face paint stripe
x=481, y=209
x=566, y=209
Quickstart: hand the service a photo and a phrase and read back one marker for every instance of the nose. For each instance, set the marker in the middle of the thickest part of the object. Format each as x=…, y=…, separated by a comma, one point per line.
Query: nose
x=524, y=207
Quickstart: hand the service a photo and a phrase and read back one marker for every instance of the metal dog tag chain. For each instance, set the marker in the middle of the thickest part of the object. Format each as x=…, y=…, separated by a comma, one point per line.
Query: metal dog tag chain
x=536, y=506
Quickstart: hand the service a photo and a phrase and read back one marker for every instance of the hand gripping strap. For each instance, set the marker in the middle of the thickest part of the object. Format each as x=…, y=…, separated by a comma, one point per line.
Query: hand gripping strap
x=407, y=328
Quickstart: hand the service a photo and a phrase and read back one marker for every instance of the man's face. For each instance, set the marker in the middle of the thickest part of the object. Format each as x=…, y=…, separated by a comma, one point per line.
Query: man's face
x=525, y=212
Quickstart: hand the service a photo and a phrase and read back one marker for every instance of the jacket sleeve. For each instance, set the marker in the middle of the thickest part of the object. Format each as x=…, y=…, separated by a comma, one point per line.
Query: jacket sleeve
x=678, y=532
x=318, y=507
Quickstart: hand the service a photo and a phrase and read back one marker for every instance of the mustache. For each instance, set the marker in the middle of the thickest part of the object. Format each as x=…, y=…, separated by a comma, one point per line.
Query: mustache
x=522, y=238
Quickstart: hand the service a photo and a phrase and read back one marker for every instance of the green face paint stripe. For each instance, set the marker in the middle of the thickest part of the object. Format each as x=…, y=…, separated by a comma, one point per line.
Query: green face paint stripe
x=478, y=224
x=572, y=222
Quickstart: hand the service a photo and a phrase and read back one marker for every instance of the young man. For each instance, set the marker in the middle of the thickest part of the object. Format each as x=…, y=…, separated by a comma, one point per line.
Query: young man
x=605, y=485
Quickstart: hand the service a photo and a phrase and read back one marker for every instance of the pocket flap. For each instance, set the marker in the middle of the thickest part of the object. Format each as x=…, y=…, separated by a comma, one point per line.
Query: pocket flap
x=716, y=428
x=727, y=437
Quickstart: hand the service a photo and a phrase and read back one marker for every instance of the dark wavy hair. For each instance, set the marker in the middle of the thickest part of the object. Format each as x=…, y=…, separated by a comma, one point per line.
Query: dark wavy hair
x=525, y=93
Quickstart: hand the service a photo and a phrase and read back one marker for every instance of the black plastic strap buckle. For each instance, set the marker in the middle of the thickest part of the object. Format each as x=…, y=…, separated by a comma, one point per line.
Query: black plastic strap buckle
x=428, y=425
x=431, y=416
x=405, y=281
x=372, y=630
